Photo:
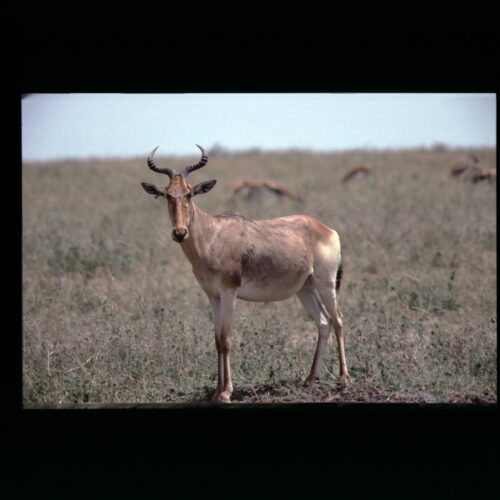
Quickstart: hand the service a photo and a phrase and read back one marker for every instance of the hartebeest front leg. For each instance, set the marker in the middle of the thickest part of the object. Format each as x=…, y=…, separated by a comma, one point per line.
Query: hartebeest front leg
x=215, y=303
x=223, y=309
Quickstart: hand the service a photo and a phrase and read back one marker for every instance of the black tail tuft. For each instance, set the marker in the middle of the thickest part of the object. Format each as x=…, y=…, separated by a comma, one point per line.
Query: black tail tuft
x=338, y=279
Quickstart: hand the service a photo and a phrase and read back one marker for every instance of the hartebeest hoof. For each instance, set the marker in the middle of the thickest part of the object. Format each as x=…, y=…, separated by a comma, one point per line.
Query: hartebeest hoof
x=223, y=397
x=311, y=379
x=344, y=380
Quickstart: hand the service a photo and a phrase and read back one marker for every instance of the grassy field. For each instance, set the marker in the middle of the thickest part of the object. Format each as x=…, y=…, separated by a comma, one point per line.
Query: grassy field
x=112, y=312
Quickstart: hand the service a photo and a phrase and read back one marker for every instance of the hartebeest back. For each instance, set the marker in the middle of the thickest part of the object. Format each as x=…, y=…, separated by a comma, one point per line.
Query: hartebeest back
x=266, y=260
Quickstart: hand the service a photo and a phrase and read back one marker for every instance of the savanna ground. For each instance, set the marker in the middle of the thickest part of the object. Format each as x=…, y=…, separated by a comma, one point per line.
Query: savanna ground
x=112, y=312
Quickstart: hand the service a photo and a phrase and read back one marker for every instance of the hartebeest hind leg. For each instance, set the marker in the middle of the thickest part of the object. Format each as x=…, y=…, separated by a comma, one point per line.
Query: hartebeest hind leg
x=326, y=289
x=223, y=312
x=308, y=295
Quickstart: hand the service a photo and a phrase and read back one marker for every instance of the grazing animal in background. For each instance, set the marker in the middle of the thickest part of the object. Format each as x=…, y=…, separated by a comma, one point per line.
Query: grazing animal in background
x=489, y=175
x=251, y=188
x=466, y=169
x=233, y=257
x=362, y=170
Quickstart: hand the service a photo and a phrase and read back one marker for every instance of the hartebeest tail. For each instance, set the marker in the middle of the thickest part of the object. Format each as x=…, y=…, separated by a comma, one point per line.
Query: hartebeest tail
x=338, y=278
x=233, y=257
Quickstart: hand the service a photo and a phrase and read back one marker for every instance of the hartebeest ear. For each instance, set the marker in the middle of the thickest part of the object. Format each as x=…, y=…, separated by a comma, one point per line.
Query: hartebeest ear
x=152, y=189
x=203, y=187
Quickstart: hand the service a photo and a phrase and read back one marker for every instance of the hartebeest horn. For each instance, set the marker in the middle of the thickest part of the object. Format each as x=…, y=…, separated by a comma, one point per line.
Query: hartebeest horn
x=168, y=171
x=190, y=168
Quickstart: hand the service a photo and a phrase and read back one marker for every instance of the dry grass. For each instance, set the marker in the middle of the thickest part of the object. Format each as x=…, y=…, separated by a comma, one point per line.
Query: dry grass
x=112, y=312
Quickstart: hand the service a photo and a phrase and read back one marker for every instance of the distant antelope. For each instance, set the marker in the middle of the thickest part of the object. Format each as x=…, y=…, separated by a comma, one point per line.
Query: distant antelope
x=466, y=169
x=253, y=187
x=487, y=174
x=266, y=260
x=359, y=171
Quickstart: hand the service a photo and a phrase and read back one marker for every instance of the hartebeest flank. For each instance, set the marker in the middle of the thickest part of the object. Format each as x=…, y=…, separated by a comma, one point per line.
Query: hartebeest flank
x=256, y=186
x=266, y=260
x=359, y=171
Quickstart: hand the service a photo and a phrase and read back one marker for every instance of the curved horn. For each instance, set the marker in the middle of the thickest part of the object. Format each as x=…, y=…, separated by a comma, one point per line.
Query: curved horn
x=190, y=168
x=168, y=171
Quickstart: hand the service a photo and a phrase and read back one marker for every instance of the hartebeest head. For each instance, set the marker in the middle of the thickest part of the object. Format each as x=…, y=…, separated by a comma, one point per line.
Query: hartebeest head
x=178, y=193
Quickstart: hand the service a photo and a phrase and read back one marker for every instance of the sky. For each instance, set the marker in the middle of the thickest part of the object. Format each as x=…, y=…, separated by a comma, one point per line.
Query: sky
x=72, y=125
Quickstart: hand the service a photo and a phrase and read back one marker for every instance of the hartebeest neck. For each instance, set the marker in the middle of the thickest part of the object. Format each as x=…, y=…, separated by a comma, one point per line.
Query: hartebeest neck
x=196, y=245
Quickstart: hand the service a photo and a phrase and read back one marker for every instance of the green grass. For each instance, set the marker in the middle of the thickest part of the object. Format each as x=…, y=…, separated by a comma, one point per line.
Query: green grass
x=112, y=312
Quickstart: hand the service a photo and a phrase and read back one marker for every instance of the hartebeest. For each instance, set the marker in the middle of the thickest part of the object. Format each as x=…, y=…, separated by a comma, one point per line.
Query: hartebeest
x=258, y=260
x=486, y=174
x=252, y=187
x=359, y=171
x=466, y=169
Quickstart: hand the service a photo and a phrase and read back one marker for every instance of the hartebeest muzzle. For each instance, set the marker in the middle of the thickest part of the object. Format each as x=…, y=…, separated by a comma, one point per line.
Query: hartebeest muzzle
x=180, y=234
